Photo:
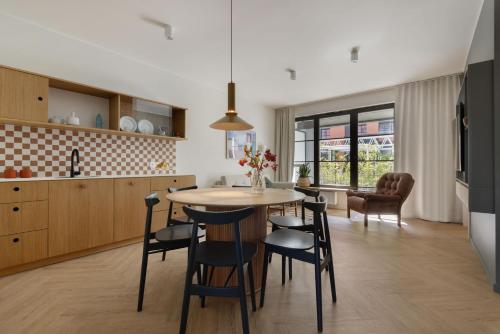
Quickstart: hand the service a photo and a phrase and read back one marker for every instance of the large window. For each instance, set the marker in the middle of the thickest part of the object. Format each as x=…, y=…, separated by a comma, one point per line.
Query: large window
x=348, y=148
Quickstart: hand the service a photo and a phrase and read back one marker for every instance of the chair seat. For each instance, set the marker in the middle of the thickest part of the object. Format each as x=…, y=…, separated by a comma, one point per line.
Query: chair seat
x=223, y=253
x=290, y=239
x=177, y=233
x=290, y=222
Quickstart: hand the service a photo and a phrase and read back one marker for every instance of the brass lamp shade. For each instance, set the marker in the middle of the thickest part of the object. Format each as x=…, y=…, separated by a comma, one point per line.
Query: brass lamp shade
x=231, y=122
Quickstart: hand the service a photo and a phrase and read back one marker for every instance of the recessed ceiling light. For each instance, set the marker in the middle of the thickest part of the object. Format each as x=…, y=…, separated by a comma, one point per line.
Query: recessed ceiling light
x=355, y=54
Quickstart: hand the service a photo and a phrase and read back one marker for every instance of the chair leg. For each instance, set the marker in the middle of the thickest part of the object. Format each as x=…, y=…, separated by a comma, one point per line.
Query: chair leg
x=332, y=281
x=252, y=285
x=348, y=212
x=187, y=296
x=163, y=255
x=142, y=283
x=243, y=300
x=283, y=269
x=205, y=279
x=273, y=228
x=290, y=268
x=366, y=220
x=264, y=278
x=399, y=218
x=379, y=218
x=317, y=276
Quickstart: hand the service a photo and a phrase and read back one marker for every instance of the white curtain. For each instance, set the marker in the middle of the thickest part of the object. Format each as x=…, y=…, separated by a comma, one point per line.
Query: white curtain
x=285, y=143
x=425, y=146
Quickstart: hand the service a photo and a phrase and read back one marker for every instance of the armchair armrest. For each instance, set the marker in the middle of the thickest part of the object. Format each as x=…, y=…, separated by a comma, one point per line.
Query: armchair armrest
x=382, y=198
x=361, y=194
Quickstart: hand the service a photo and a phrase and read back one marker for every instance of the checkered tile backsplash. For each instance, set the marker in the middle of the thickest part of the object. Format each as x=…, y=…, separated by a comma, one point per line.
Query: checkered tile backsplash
x=48, y=152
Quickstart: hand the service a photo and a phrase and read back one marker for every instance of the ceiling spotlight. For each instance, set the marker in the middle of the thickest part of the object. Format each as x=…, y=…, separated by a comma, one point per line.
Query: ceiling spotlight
x=355, y=54
x=293, y=73
x=168, y=32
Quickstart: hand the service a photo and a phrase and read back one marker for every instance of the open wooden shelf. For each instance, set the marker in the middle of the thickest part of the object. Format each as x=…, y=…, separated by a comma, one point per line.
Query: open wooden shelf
x=81, y=128
x=32, y=109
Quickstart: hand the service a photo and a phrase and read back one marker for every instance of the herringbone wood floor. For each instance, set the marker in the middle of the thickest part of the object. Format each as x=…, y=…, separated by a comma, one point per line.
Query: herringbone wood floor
x=422, y=278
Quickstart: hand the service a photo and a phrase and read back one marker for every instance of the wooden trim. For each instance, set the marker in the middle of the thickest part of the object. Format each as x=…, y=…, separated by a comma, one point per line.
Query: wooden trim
x=81, y=128
x=65, y=257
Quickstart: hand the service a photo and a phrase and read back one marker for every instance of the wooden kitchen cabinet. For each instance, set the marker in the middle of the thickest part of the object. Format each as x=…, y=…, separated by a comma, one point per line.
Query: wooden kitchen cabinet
x=23, y=248
x=23, y=96
x=129, y=207
x=23, y=217
x=101, y=212
x=68, y=216
x=12, y=192
x=80, y=215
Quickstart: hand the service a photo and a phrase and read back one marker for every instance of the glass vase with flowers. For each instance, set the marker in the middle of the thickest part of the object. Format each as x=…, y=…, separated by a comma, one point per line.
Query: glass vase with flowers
x=258, y=162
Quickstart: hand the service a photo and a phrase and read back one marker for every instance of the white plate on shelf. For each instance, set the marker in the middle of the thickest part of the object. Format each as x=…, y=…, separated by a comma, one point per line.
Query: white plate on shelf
x=146, y=127
x=128, y=124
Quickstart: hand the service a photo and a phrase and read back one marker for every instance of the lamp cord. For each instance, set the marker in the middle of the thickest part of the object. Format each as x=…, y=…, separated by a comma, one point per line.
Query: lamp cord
x=231, y=40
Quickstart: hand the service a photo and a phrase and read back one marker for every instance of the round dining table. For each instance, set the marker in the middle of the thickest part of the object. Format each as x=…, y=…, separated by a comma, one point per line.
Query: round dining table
x=253, y=228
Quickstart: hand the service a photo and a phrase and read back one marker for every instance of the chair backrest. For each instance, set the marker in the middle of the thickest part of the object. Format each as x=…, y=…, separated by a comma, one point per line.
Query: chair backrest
x=171, y=204
x=320, y=218
x=399, y=184
x=308, y=192
x=151, y=200
x=217, y=217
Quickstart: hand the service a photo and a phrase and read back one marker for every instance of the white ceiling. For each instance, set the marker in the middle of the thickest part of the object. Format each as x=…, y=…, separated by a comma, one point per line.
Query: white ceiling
x=400, y=40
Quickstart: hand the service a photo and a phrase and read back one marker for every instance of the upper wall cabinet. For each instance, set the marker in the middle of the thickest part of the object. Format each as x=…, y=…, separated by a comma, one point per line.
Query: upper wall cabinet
x=24, y=100
x=23, y=96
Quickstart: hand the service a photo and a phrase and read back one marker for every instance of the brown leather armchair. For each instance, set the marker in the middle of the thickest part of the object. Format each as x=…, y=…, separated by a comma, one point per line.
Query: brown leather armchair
x=392, y=190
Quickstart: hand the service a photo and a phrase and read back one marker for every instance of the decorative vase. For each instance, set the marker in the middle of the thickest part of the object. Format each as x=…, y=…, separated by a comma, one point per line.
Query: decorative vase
x=304, y=182
x=258, y=183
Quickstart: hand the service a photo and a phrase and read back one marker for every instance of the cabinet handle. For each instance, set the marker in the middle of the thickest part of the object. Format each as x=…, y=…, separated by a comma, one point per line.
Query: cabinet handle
x=131, y=183
x=16, y=189
x=15, y=209
x=15, y=240
x=82, y=186
x=175, y=180
x=40, y=98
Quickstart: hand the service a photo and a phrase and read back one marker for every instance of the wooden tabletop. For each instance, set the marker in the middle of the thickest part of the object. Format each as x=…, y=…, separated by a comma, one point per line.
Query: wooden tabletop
x=235, y=197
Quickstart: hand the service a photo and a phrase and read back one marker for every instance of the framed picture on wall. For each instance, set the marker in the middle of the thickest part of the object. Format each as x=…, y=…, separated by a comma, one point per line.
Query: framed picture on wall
x=236, y=141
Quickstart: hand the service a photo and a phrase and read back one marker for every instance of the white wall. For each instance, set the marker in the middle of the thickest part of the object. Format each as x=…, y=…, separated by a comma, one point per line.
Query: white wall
x=31, y=47
x=482, y=45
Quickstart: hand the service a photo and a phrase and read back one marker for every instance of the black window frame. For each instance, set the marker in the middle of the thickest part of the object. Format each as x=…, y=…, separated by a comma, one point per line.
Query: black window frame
x=353, y=135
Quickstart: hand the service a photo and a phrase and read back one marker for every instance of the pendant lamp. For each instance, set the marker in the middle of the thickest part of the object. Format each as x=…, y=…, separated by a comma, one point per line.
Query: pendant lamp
x=231, y=121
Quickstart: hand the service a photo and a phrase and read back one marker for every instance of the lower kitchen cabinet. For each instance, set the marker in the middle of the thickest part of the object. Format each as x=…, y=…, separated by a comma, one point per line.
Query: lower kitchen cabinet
x=80, y=215
x=129, y=207
x=22, y=248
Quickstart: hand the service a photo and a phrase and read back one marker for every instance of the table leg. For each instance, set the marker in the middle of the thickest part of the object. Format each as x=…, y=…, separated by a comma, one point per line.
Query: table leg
x=253, y=229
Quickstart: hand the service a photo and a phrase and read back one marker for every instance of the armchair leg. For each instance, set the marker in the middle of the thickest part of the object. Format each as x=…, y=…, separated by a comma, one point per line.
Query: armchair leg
x=348, y=212
x=399, y=219
x=366, y=220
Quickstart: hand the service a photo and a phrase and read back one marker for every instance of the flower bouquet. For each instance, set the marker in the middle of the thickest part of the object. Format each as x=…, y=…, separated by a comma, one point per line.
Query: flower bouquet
x=258, y=161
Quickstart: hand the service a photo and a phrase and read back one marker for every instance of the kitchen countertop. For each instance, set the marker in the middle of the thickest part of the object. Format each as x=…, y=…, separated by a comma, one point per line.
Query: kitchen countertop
x=60, y=178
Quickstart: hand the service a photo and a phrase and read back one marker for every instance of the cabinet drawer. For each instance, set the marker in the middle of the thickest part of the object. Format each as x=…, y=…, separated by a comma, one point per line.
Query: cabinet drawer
x=23, y=217
x=164, y=182
x=12, y=192
x=23, y=248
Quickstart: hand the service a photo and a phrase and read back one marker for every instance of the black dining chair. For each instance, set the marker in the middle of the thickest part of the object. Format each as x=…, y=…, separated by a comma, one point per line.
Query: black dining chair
x=234, y=254
x=297, y=245
x=177, y=220
x=166, y=239
x=296, y=223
